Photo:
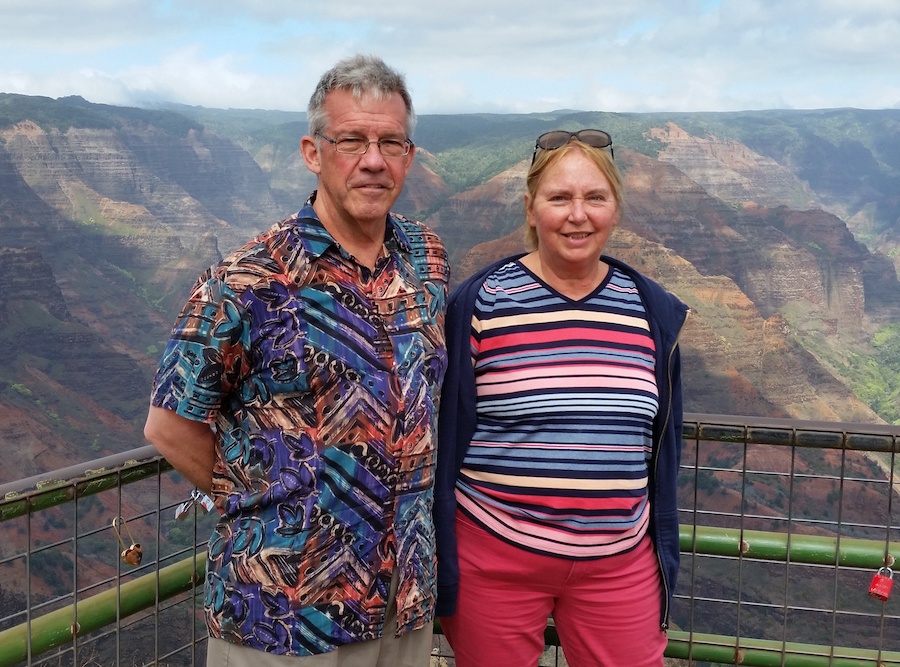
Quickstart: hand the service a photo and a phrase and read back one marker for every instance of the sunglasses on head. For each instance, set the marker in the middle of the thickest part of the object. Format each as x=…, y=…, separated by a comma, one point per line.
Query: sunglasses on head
x=550, y=141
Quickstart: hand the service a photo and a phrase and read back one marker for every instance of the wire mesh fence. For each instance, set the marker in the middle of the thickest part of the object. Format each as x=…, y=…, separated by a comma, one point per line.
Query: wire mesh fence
x=784, y=526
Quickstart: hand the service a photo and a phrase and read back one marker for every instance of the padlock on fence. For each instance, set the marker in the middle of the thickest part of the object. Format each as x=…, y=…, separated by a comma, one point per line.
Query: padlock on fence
x=882, y=582
x=130, y=554
x=197, y=497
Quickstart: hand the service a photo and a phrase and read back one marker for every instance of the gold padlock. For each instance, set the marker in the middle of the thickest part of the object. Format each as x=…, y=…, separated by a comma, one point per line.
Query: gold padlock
x=131, y=555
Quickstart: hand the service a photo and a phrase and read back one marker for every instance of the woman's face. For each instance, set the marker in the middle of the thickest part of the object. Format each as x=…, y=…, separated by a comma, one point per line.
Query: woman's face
x=573, y=212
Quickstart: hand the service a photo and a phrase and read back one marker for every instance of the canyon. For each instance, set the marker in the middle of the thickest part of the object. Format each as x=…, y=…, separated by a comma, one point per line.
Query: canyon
x=784, y=246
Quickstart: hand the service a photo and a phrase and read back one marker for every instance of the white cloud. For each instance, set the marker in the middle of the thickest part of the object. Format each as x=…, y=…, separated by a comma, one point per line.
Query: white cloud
x=462, y=55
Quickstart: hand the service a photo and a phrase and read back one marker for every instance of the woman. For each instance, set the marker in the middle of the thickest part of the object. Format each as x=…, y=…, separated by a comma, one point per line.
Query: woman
x=560, y=435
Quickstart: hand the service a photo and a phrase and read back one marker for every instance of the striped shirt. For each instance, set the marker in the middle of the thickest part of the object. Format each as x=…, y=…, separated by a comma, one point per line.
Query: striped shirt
x=566, y=401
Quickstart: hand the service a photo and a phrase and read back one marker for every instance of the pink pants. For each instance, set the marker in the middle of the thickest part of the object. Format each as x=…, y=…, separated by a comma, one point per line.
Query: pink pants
x=607, y=611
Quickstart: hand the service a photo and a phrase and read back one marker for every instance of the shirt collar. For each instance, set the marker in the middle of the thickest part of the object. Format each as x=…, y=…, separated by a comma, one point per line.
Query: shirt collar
x=395, y=236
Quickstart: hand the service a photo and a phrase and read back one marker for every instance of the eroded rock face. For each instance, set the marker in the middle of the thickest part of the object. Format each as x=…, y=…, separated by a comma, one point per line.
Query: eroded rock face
x=102, y=231
x=145, y=178
x=777, y=256
x=25, y=276
x=423, y=189
x=104, y=228
x=730, y=171
x=483, y=213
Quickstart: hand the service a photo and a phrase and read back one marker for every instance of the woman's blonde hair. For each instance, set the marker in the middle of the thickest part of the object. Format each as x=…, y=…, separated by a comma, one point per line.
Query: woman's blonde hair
x=547, y=158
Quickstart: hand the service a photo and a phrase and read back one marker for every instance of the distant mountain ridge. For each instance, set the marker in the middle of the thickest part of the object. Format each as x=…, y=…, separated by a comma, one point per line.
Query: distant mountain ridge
x=780, y=229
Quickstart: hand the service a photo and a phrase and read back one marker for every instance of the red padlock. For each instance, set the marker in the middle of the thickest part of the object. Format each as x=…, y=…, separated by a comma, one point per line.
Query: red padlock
x=882, y=582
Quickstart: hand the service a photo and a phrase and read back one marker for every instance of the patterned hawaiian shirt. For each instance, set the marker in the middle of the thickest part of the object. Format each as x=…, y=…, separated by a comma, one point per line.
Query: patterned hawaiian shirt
x=320, y=379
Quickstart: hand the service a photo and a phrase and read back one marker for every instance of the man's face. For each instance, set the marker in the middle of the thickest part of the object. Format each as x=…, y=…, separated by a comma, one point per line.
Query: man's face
x=357, y=191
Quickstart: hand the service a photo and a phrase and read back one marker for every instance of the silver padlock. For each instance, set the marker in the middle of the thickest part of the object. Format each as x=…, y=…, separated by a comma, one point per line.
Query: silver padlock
x=182, y=511
x=205, y=502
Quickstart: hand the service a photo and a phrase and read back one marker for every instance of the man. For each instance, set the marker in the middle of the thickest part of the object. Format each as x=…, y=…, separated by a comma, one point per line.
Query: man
x=299, y=389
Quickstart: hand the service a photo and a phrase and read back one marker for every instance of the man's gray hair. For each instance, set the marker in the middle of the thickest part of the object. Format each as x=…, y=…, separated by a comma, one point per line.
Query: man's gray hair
x=361, y=75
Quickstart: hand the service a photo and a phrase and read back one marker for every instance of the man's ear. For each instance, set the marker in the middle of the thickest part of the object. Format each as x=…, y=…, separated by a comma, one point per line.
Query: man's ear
x=310, y=152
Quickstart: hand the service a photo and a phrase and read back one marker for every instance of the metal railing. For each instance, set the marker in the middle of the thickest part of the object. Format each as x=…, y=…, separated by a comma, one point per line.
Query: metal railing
x=784, y=524
x=67, y=596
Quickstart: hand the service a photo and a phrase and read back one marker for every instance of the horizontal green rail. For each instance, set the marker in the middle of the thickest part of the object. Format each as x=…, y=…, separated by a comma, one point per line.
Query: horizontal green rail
x=58, y=627
x=766, y=653
x=55, y=629
x=807, y=549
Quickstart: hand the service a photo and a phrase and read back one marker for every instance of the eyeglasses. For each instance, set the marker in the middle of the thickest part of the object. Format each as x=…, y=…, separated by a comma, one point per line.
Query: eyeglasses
x=359, y=146
x=550, y=141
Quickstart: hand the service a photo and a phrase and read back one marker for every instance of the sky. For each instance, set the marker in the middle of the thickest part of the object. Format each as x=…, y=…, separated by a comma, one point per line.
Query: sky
x=462, y=56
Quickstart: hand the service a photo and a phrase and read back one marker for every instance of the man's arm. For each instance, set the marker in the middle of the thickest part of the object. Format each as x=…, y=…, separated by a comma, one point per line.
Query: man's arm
x=188, y=445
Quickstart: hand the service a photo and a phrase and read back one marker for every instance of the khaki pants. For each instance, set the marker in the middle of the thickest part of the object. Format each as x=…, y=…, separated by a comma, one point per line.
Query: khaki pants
x=410, y=650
